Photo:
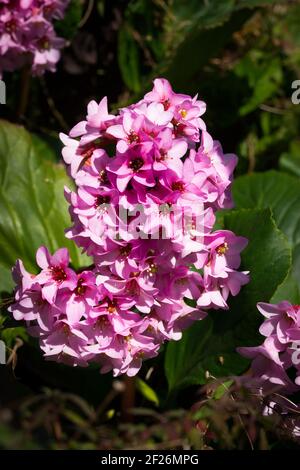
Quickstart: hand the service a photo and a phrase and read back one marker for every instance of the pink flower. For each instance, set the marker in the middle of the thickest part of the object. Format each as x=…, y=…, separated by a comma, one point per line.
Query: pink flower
x=97, y=121
x=22, y=278
x=157, y=114
x=136, y=165
x=26, y=3
x=277, y=355
x=148, y=182
x=162, y=93
x=224, y=253
x=127, y=133
x=80, y=301
x=32, y=306
x=55, y=272
x=47, y=54
x=187, y=186
x=115, y=311
x=219, y=264
x=95, y=210
x=66, y=344
x=169, y=152
x=221, y=167
x=28, y=35
x=133, y=286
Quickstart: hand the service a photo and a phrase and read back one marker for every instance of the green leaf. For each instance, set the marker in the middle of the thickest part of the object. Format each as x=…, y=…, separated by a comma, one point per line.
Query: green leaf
x=147, y=391
x=264, y=75
x=9, y=335
x=209, y=346
x=101, y=7
x=222, y=365
x=33, y=210
x=267, y=257
x=196, y=31
x=184, y=64
x=68, y=26
x=187, y=15
x=75, y=418
x=183, y=358
x=128, y=58
x=290, y=161
x=222, y=389
x=281, y=193
x=291, y=24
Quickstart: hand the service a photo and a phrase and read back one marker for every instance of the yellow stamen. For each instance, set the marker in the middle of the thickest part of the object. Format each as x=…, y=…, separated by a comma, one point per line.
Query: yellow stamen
x=222, y=249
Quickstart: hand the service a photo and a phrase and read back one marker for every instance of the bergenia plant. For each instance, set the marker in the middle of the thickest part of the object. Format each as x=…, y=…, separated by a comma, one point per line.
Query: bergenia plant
x=27, y=34
x=276, y=362
x=148, y=183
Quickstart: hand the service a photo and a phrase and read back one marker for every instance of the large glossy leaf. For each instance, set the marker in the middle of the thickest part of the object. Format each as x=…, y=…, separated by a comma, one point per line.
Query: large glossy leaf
x=210, y=345
x=183, y=358
x=187, y=15
x=268, y=258
x=184, y=65
x=33, y=210
x=281, y=193
x=290, y=161
x=197, y=30
x=128, y=58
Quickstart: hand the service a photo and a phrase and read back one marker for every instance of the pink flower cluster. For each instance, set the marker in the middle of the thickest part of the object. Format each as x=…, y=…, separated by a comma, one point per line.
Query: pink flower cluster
x=27, y=34
x=155, y=271
x=279, y=354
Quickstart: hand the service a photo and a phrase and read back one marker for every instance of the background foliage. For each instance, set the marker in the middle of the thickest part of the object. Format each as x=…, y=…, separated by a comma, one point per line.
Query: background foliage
x=241, y=56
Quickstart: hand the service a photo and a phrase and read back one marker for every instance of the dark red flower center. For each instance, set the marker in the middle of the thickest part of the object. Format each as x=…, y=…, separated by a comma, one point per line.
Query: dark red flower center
x=153, y=133
x=58, y=273
x=101, y=200
x=103, y=177
x=66, y=329
x=178, y=127
x=133, y=138
x=44, y=44
x=87, y=151
x=136, y=164
x=161, y=156
x=166, y=104
x=80, y=288
x=132, y=287
x=111, y=306
x=101, y=322
x=11, y=26
x=178, y=186
x=125, y=250
x=48, y=10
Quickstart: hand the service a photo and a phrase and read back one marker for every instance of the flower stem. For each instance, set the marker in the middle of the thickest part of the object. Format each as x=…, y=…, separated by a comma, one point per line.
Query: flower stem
x=24, y=96
x=128, y=399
